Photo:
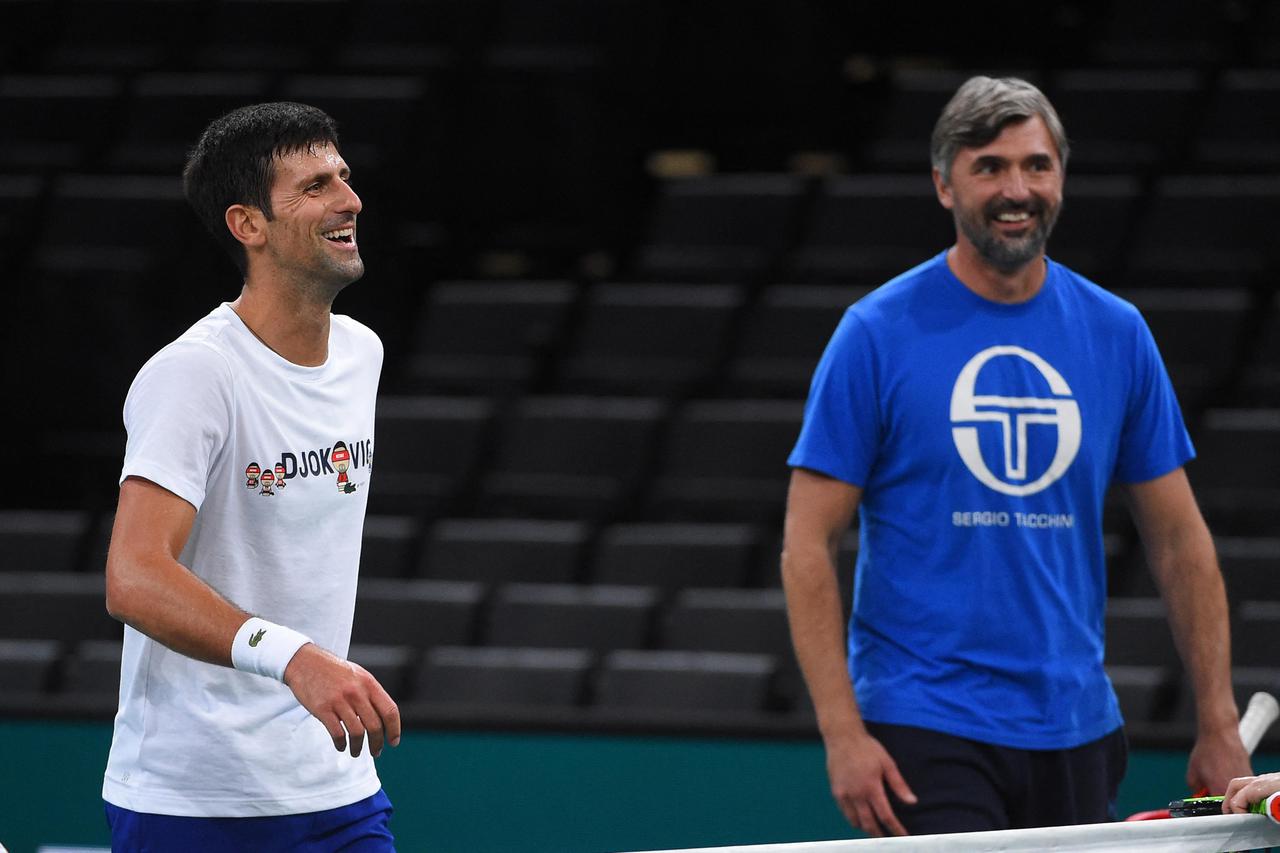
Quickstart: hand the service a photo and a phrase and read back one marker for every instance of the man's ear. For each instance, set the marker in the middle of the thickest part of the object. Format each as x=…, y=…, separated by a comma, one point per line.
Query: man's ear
x=247, y=224
x=943, y=190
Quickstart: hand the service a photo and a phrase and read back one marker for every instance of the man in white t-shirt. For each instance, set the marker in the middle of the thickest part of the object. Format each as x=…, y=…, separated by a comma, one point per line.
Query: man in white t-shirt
x=241, y=725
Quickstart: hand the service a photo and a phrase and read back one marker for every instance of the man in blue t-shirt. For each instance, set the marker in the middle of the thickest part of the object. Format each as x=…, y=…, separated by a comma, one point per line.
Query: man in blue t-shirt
x=974, y=411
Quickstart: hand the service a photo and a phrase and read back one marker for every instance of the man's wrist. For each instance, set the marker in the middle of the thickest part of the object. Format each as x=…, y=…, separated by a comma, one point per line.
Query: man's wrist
x=265, y=648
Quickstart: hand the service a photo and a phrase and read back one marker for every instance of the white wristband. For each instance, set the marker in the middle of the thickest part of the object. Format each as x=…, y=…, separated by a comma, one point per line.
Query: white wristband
x=265, y=648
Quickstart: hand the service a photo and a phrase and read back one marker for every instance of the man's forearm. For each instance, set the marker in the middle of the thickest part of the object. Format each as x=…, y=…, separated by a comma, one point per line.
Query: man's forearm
x=1186, y=571
x=817, y=632
x=164, y=600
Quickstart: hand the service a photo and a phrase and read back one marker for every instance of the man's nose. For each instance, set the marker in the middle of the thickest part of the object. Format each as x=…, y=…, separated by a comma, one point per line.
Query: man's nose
x=1015, y=185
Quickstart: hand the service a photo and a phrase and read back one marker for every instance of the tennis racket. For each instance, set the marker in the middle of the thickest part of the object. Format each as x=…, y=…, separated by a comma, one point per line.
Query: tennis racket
x=1259, y=714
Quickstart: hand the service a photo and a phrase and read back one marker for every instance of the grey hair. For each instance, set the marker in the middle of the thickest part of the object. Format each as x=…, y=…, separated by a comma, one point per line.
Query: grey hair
x=980, y=109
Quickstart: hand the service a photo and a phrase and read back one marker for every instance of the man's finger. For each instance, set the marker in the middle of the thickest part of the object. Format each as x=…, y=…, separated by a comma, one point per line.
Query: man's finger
x=355, y=729
x=899, y=785
x=884, y=813
x=335, y=729
x=867, y=820
x=389, y=713
x=372, y=726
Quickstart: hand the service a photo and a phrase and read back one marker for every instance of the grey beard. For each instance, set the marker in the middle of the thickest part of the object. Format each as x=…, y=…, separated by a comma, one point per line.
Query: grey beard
x=1009, y=256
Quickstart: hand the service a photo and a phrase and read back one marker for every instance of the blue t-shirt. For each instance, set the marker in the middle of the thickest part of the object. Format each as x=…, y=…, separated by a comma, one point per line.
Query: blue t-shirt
x=984, y=437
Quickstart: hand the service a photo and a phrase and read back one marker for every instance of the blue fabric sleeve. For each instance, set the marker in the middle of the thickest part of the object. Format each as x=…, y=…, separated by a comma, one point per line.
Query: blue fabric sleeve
x=841, y=430
x=1154, y=440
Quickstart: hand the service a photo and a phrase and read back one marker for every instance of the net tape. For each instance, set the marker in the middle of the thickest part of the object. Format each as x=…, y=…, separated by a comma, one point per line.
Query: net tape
x=1180, y=835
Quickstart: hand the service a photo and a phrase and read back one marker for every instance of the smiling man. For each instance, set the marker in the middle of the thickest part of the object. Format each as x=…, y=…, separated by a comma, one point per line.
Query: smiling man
x=974, y=411
x=241, y=724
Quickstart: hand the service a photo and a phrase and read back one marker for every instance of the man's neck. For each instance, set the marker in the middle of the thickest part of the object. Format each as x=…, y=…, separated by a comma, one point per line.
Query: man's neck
x=990, y=283
x=292, y=326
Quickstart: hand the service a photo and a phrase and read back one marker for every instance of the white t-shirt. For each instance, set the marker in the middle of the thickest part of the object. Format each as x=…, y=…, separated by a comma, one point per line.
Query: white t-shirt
x=208, y=416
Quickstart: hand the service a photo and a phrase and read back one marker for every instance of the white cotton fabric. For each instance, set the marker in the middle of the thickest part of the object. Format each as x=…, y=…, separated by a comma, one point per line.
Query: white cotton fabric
x=193, y=738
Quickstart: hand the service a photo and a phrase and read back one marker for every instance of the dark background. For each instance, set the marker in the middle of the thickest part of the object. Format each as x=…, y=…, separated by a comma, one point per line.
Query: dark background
x=605, y=242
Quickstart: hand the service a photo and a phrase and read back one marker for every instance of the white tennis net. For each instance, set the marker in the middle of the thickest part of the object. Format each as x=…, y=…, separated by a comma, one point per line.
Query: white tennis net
x=1178, y=835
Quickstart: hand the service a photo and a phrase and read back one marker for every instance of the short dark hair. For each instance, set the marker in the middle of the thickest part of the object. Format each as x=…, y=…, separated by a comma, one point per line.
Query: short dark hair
x=980, y=110
x=234, y=162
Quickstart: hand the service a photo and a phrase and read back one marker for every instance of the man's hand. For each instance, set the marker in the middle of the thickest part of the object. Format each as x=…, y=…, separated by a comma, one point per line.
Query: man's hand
x=1217, y=759
x=342, y=695
x=1244, y=791
x=859, y=767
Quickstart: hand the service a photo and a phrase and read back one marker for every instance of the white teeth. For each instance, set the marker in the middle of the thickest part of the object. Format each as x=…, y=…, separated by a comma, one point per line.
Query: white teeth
x=341, y=232
x=1014, y=217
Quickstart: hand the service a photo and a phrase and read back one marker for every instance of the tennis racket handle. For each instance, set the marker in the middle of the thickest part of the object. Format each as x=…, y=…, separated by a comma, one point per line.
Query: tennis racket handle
x=1269, y=807
x=1259, y=714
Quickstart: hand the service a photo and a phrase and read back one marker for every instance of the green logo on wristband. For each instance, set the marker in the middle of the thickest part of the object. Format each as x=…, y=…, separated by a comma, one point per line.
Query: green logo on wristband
x=256, y=638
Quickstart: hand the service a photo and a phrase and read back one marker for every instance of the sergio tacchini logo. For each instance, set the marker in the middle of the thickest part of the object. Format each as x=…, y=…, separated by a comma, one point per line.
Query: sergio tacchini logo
x=1013, y=414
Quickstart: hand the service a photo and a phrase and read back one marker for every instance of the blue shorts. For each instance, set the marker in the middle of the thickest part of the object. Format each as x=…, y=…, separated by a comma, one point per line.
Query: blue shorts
x=358, y=828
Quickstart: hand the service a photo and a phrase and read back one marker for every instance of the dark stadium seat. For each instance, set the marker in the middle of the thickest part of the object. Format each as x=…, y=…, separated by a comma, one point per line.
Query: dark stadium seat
x=727, y=460
x=1123, y=120
x=1146, y=693
x=1137, y=633
x=426, y=452
x=649, y=338
x=41, y=541
x=1234, y=474
x=165, y=112
x=416, y=613
x=709, y=681
x=93, y=668
x=1207, y=231
x=672, y=556
x=111, y=215
x=728, y=620
x=1198, y=332
x=391, y=36
x=568, y=616
x=720, y=228
x=1260, y=380
x=783, y=335
x=1250, y=567
x=1254, y=628
x=855, y=233
x=570, y=457
x=915, y=98
x=53, y=121
x=380, y=118
x=19, y=198
x=390, y=546
x=1095, y=223
x=1243, y=100
x=488, y=335
x=55, y=606
x=504, y=550
x=505, y=677
x=389, y=664
x=121, y=35
x=27, y=665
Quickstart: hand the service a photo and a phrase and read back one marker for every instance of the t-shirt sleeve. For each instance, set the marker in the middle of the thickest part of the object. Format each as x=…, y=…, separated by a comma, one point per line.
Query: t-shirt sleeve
x=1154, y=440
x=178, y=414
x=841, y=430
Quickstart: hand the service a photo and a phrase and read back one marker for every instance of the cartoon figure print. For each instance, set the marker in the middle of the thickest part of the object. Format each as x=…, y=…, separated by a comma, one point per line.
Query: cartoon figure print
x=268, y=483
x=341, y=462
x=280, y=483
x=251, y=474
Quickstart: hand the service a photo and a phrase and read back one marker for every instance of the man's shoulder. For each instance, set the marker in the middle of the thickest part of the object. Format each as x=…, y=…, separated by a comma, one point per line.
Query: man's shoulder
x=1094, y=296
x=897, y=293
x=358, y=332
x=202, y=348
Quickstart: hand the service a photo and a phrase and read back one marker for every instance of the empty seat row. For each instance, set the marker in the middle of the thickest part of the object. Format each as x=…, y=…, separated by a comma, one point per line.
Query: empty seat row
x=465, y=677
